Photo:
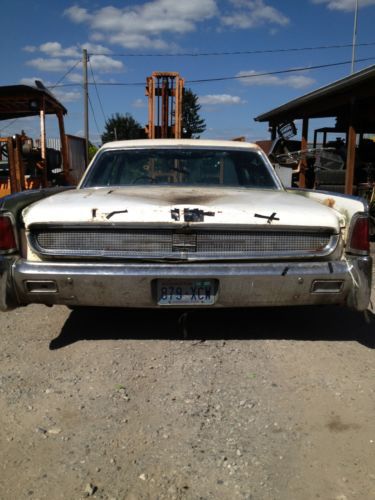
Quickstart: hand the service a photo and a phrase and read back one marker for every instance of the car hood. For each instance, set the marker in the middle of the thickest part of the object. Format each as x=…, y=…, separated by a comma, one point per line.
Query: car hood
x=166, y=205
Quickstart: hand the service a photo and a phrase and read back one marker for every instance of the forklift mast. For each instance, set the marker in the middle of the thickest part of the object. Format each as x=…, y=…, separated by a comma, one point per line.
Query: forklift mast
x=164, y=91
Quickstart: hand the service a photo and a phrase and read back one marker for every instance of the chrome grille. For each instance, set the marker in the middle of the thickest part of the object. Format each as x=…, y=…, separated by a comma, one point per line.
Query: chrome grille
x=133, y=243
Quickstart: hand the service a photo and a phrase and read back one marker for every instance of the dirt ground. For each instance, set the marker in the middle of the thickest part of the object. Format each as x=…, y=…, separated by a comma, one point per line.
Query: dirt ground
x=261, y=404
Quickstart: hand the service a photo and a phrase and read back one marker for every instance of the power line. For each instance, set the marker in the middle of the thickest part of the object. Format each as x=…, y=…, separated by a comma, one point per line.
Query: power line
x=97, y=92
x=101, y=84
x=65, y=75
x=238, y=52
x=292, y=70
x=93, y=114
x=50, y=87
x=238, y=77
x=8, y=124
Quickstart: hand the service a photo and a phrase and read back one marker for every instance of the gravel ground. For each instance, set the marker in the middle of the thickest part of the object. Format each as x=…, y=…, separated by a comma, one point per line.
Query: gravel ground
x=261, y=404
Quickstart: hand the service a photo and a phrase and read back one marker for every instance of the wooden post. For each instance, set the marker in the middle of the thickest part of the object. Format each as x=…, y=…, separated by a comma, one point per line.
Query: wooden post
x=178, y=107
x=12, y=166
x=304, y=145
x=150, y=92
x=19, y=173
x=85, y=102
x=43, y=142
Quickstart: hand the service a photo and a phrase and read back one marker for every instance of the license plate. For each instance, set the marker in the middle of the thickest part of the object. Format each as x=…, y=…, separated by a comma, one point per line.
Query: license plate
x=186, y=292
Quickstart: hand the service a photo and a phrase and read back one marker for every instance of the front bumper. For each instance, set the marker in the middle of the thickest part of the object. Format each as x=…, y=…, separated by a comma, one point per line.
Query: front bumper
x=133, y=284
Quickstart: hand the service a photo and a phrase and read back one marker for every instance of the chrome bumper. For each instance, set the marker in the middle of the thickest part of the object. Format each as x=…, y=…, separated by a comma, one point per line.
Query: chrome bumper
x=133, y=284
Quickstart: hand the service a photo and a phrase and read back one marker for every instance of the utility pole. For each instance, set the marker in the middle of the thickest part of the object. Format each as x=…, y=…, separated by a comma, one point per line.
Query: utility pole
x=85, y=102
x=354, y=34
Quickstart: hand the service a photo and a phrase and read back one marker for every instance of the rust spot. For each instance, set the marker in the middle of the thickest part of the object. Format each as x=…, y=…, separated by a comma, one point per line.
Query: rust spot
x=175, y=199
x=336, y=425
x=190, y=200
x=329, y=202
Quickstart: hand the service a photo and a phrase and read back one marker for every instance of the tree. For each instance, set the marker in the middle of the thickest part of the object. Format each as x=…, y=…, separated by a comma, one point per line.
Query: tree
x=92, y=151
x=120, y=127
x=192, y=123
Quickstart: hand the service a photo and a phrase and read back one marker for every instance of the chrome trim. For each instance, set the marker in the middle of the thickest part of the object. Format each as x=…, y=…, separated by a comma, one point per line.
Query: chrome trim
x=180, y=227
x=209, y=256
x=240, y=284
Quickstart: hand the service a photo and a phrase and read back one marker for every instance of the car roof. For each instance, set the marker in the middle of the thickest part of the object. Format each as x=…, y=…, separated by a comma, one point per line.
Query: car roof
x=198, y=143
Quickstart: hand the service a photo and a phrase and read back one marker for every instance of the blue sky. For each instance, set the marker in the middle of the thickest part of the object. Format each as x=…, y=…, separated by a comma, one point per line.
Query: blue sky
x=45, y=40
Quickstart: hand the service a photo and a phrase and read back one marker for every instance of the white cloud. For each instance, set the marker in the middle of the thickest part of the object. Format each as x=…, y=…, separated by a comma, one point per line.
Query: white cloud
x=55, y=49
x=294, y=81
x=67, y=95
x=100, y=63
x=74, y=77
x=344, y=5
x=51, y=64
x=97, y=37
x=105, y=64
x=62, y=95
x=77, y=14
x=139, y=103
x=252, y=13
x=30, y=48
x=144, y=25
x=95, y=48
x=213, y=99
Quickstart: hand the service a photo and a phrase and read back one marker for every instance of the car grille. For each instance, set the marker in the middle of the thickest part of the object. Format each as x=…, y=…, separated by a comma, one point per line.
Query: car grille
x=160, y=243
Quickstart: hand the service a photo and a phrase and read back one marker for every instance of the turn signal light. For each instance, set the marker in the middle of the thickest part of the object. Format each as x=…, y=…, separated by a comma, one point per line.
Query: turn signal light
x=7, y=238
x=359, y=235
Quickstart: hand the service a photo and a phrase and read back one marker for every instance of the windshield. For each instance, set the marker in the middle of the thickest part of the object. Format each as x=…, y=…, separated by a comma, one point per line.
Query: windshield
x=190, y=167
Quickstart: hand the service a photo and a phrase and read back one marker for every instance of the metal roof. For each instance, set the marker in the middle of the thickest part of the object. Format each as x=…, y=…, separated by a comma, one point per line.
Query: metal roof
x=17, y=101
x=331, y=100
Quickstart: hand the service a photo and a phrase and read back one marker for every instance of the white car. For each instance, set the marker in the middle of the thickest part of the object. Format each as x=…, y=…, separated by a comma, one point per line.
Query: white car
x=186, y=224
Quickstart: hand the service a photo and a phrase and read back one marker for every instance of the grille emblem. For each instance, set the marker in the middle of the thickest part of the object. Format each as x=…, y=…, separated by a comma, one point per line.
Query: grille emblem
x=182, y=242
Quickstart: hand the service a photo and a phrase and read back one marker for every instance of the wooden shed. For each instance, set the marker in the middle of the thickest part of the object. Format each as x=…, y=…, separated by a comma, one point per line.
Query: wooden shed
x=350, y=100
